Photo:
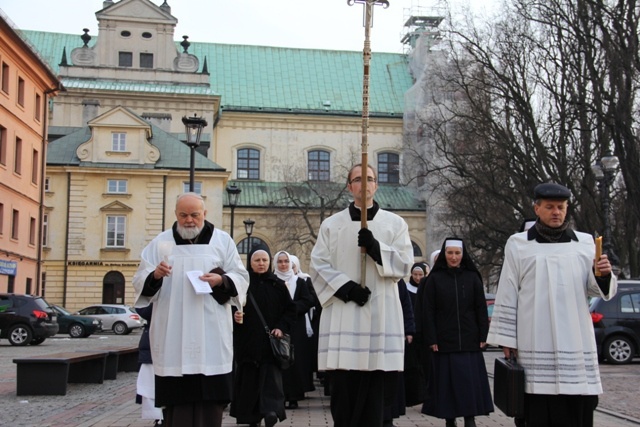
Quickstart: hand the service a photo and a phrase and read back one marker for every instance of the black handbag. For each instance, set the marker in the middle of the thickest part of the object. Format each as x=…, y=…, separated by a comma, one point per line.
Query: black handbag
x=282, y=348
x=508, y=386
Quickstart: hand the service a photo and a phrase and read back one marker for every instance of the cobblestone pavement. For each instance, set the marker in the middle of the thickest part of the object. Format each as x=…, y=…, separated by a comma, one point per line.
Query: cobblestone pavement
x=111, y=404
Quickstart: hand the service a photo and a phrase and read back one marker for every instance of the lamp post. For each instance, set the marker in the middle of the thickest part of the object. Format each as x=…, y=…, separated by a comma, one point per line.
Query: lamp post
x=233, y=194
x=604, y=171
x=248, y=228
x=193, y=127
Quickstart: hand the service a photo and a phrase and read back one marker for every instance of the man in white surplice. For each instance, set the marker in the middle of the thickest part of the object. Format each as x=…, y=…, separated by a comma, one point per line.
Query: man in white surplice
x=541, y=313
x=361, y=340
x=191, y=333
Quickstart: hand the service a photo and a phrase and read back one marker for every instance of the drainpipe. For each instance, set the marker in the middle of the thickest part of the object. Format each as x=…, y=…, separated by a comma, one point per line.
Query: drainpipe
x=43, y=164
x=66, y=243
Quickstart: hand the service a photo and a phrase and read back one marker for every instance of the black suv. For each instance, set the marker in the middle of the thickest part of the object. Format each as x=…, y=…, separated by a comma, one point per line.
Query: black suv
x=617, y=323
x=26, y=319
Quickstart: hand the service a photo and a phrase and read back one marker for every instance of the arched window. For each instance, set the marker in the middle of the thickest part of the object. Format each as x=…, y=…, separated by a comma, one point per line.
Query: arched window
x=113, y=288
x=319, y=165
x=248, y=164
x=388, y=168
x=243, y=245
x=417, y=252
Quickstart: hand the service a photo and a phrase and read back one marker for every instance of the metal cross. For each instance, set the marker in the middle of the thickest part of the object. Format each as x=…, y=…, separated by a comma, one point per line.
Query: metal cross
x=368, y=21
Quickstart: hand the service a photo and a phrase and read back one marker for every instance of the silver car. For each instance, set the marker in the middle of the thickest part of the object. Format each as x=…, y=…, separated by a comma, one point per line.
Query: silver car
x=122, y=319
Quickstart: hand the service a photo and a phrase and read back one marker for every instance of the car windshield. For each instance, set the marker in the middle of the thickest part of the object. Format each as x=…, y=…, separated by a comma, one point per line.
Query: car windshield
x=592, y=301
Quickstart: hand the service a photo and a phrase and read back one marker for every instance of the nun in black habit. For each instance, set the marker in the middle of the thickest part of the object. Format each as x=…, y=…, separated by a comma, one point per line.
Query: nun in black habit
x=298, y=377
x=258, y=391
x=415, y=381
x=452, y=321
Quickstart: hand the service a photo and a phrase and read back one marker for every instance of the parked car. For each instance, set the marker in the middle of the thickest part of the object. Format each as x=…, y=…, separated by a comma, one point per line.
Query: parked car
x=76, y=326
x=491, y=299
x=26, y=319
x=617, y=323
x=122, y=319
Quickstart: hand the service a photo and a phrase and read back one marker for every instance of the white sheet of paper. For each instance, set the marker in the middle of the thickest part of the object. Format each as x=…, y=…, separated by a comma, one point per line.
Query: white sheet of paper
x=200, y=286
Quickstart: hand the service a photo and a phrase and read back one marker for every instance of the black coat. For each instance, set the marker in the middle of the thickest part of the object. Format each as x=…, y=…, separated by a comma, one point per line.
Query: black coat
x=250, y=340
x=144, y=347
x=452, y=310
x=299, y=377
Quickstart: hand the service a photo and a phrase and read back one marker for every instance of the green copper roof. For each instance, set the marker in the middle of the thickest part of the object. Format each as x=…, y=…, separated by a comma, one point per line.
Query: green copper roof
x=128, y=86
x=174, y=154
x=309, y=194
x=261, y=78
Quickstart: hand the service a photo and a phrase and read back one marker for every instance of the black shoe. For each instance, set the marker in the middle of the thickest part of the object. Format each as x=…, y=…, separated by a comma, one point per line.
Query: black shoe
x=469, y=422
x=451, y=422
x=293, y=404
x=388, y=423
x=270, y=419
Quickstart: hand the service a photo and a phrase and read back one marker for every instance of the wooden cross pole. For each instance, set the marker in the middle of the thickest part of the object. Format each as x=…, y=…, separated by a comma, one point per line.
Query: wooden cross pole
x=366, y=53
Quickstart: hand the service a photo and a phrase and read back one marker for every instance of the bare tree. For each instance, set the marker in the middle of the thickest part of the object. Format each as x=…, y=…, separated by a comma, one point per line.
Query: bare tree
x=538, y=95
x=301, y=204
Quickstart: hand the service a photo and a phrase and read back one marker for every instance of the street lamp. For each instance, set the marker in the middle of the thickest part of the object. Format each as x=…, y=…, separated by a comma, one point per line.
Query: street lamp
x=604, y=171
x=248, y=228
x=233, y=194
x=193, y=127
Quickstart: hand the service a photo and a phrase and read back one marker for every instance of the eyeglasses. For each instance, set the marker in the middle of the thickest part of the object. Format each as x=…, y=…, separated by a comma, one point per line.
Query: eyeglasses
x=358, y=179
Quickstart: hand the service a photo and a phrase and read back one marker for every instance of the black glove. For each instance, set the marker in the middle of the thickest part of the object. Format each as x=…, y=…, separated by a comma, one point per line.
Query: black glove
x=366, y=240
x=359, y=295
x=351, y=291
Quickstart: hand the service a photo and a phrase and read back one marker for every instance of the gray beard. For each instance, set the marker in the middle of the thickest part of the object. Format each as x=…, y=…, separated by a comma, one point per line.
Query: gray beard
x=188, y=233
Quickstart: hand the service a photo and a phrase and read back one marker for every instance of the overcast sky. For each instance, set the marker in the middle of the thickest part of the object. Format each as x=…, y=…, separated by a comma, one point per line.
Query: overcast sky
x=316, y=24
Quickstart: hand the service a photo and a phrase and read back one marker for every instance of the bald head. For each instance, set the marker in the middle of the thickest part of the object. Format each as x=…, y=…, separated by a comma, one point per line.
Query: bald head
x=190, y=213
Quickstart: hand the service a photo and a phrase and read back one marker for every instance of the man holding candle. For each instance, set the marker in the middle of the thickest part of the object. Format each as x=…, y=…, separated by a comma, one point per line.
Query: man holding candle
x=541, y=313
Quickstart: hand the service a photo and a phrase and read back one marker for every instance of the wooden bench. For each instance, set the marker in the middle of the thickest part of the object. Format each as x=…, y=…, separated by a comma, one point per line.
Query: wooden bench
x=49, y=374
x=119, y=359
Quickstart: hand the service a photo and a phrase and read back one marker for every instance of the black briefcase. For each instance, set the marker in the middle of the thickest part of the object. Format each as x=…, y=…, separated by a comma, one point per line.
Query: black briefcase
x=508, y=387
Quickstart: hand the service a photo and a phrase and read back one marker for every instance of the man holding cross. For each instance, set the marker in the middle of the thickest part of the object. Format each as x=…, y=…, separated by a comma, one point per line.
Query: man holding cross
x=361, y=340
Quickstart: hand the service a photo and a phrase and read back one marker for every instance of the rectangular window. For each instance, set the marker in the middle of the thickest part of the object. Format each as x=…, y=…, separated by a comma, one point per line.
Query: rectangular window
x=17, y=158
x=1, y=219
x=248, y=164
x=32, y=231
x=34, y=170
x=125, y=59
x=389, y=168
x=115, y=231
x=28, y=286
x=21, y=90
x=5, y=78
x=118, y=186
x=118, y=141
x=38, y=109
x=319, y=165
x=146, y=60
x=15, y=224
x=3, y=145
x=45, y=230
x=47, y=184
x=197, y=187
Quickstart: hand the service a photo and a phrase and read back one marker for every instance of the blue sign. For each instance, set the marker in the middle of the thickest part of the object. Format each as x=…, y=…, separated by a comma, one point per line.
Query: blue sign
x=8, y=267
